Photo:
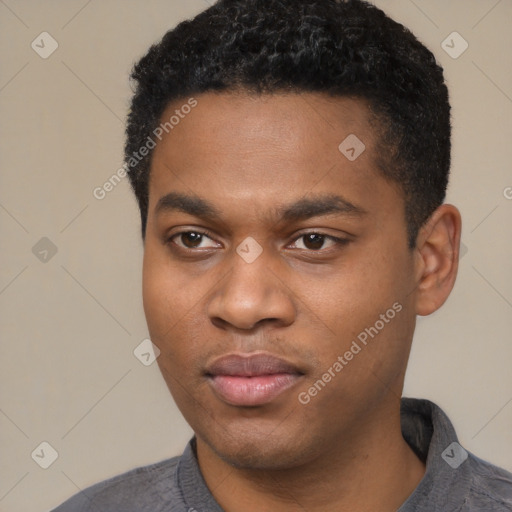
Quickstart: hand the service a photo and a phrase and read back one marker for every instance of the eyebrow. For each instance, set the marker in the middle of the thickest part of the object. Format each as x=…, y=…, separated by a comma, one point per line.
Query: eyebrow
x=320, y=205
x=299, y=210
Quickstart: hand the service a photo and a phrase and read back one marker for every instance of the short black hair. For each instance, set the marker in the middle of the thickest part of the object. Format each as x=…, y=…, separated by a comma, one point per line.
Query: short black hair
x=341, y=48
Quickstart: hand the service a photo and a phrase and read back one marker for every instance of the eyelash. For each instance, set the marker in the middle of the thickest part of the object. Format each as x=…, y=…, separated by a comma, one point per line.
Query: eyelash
x=338, y=241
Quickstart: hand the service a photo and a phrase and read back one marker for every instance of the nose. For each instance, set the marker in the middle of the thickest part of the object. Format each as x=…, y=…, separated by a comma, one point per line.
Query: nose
x=251, y=294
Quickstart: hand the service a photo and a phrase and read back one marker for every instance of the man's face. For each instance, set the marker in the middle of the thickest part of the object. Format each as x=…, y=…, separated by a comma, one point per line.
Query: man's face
x=326, y=265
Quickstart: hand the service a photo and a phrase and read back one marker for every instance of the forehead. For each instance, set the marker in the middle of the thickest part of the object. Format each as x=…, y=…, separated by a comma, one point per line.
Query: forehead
x=305, y=122
x=267, y=149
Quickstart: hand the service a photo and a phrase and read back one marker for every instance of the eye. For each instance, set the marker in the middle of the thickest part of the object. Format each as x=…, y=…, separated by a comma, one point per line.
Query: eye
x=192, y=240
x=316, y=241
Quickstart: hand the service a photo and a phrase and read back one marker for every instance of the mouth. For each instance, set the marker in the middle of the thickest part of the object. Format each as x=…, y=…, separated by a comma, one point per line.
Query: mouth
x=251, y=379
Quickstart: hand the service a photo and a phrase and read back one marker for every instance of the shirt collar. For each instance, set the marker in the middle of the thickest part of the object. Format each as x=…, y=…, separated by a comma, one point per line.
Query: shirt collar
x=431, y=435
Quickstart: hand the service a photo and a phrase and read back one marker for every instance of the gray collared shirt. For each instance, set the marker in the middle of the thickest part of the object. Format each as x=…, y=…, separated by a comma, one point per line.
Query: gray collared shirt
x=455, y=480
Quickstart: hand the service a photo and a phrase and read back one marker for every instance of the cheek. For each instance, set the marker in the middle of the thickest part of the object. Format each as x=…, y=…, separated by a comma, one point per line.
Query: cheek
x=156, y=296
x=353, y=295
x=167, y=294
x=367, y=302
x=174, y=311
x=165, y=299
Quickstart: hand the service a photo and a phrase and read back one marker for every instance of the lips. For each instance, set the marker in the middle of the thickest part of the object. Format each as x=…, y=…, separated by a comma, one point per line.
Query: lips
x=251, y=379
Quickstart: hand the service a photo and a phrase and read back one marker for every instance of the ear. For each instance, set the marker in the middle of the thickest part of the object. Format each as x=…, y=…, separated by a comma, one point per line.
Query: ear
x=437, y=258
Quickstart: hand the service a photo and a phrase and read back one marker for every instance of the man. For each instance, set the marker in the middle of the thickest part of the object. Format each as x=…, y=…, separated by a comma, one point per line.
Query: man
x=290, y=160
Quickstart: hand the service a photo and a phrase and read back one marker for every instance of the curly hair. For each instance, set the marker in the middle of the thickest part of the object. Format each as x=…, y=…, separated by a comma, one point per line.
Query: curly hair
x=341, y=48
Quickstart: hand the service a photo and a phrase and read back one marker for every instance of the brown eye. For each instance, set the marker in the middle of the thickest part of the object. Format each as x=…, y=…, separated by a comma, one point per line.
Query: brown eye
x=314, y=241
x=192, y=240
x=317, y=242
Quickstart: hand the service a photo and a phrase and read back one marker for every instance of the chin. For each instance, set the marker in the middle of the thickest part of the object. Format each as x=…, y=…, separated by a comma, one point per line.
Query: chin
x=253, y=448
x=258, y=457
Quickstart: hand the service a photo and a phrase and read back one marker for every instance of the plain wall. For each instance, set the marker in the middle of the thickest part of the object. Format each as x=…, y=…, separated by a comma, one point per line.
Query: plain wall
x=69, y=325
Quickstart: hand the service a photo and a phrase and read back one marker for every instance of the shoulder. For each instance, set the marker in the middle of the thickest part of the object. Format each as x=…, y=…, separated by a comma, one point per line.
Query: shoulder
x=146, y=488
x=490, y=487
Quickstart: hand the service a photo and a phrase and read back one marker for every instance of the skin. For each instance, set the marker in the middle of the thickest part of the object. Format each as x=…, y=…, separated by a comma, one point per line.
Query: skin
x=249, y=156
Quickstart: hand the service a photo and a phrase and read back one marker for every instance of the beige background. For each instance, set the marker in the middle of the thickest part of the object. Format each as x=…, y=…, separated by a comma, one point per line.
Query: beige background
x=70, y=325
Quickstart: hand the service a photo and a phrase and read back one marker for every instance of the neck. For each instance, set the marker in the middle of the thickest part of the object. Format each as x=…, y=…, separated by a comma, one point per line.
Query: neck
x=370, y=469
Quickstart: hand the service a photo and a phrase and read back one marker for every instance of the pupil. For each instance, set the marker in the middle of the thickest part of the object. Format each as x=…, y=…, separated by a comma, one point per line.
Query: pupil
x=314, y=241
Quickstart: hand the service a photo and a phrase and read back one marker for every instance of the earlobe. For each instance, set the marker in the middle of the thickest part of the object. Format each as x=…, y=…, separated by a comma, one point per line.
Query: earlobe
x=437, y=252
